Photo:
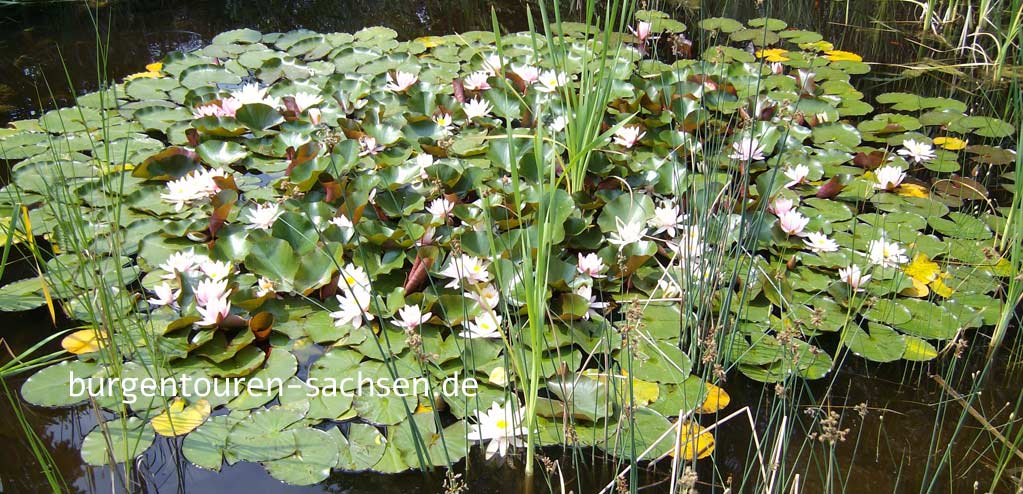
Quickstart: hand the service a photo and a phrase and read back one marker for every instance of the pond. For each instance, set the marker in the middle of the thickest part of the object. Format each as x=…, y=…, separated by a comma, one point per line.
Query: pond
x=894, y=416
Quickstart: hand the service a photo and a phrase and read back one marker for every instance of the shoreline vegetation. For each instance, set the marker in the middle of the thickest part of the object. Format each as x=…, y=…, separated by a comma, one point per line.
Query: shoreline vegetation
x=596, y=223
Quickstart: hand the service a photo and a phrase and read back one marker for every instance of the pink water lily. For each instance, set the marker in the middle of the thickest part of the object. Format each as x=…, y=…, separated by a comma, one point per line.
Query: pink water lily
x=792, y=222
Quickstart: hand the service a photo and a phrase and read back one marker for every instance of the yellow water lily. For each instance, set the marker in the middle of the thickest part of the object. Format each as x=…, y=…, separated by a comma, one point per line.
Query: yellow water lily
x=842, y=56
x=817, y=46
x=773, y=55
x=950, y=143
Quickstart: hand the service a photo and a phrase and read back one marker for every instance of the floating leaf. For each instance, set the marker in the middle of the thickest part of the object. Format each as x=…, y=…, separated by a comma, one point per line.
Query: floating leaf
x=82, y=341
x=178, y=419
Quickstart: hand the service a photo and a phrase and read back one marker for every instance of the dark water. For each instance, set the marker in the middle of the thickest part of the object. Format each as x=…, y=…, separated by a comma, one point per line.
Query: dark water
x=886, y=451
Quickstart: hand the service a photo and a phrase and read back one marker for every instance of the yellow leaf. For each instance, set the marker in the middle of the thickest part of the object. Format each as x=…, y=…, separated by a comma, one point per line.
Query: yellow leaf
x=154, y=67
x=918, y=290
x=82, y=341
x=179, y=420
x=716, y=399
x=941, y=288
x=842, y=56
x=423, y=408
x=911, y=190
x=430, y=41
x=498, y=376
x=817, y=46
x=950, y=143
x=923, y=269
x=773, y=55
x=143, y=75
x=643, y=392
x=694, y=442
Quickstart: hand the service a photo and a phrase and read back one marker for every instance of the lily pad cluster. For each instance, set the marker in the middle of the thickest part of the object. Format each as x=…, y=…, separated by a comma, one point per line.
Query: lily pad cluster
x=301, y=206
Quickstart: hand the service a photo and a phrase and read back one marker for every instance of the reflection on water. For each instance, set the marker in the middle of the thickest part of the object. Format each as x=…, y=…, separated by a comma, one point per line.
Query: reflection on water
x=885, y=451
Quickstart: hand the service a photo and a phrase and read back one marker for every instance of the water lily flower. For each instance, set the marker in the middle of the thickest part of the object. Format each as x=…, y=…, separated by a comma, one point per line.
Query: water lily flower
x=628, y=135
x=353, y=279
x=486, y=295
x=550, y=81
x=792, y=222
x=689, y=244
x=252, y=93
x=590, y=265
x=477, y=108
x=444, y=121
x=165, y=295
x=400, y=82
x=216, y=270
x=853, y=277
x=466, y=268
x=776, y=68
x=183, y=261
x=796, y=175
x=818, y=242
x=368, y=146
x=265, y=286
x=214, y=311
x=889, y=177
x=492, y=64
x=747, y=149
x=427, y=238
x=669, y=287
x=528, y=73
x=485, y=325
x=315, y=116
x=304, y=100
x=440, y=207
x=586, y=292
x=642, y=30
x=781, y=205
x=886, y=254
x=411, y=316
x=559, y=123
x=209, y=289
x=263, y=216
x=627, y=234
x=226, y=107
x=917, y=151
x=477, y=81
x=424, y=161
x=353, y=309
x=502, y=426
x=666, y=218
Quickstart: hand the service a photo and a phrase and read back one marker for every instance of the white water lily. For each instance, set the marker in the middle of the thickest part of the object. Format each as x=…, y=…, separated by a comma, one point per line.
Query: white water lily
x=445, y=122
x=626, y=234
x=559, y=123
x=853, y=277
x=368, y=146
x=440, y=207
x=667, y=218
x=485, y=325
x=304, y=100
x=214, y=311
x=550, y=81
x=265, y=286
x=889, y=177
x=179, y=262
x=427, y=238
x=528, y=73
x=400, y=82
x=796, y=175
x=781, y=205
x=226, y=107
x=689, y=244
x=819, y=242
x=586, y=292
x=792, y=222
x=165, y=295
x=353, y=279
x=341, y=221
x=411, y=316
x=502, y=426
x=886, y=254
x=590, y=265
x=208, y=289
x=465, y=268
x=628, y=135
x=477, y=81
x=917, y=151
x=263, y=216
x=353, y=309
x=492, y=64
x=477, y=108
x=486, y=295
x=252, y=93
x=747, y=149
x=216, y=270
